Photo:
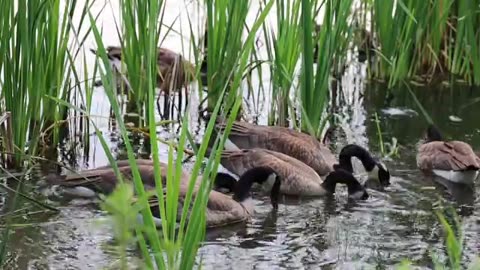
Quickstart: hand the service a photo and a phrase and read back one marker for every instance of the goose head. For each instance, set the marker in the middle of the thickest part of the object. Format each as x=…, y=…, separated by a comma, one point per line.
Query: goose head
x=376, y=169
x=340, y=176
x=265, y=177
x=224, y=183
x=433, y=134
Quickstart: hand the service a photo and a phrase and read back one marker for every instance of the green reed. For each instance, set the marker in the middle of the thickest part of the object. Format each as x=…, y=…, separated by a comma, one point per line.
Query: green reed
x=173, y=247
x=284, y=53
x=139, y=35
x=331, y=42
x=35, y=63
x=453, y=244
x=427, y=38
x=225, y=27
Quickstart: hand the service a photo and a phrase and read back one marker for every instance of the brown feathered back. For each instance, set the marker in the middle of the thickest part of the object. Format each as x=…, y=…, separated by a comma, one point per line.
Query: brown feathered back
x=297, y=177
x=104, y=180
x=173, y=71
x=221, y=208
x=453, y=155
x=296, y=144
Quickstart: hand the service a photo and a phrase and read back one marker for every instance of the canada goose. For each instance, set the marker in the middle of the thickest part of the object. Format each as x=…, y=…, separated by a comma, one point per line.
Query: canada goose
x=90, y=183
x=173, y=72
x=221, y=209
x=303, y=147
x=452, y=160
x=298, y=179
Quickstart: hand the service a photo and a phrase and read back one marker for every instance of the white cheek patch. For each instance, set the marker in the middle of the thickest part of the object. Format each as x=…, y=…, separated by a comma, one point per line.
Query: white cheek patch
x=383, y=166
x=268, y=184
x=373, y=174
x=116, y=63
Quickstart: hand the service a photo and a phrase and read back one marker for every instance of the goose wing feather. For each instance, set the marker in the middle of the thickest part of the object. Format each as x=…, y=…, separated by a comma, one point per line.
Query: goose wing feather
x=280, y=139
x=454, y=155
x=221, y=209
x=104, y=179
x=297, y=177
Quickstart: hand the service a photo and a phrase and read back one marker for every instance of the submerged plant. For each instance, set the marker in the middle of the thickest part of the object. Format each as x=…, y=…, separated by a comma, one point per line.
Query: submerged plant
x=387, y=149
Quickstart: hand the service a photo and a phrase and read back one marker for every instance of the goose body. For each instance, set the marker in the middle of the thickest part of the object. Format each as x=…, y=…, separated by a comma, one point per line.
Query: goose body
x=102, y=180
x=173, y=72
x=452, y=160
x=298, y=179
x=302, y=147
x=284, y=140
x=221, y=209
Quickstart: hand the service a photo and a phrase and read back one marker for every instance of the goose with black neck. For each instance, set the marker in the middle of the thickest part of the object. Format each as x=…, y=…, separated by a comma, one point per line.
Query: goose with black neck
x=303, y=147
x=298, y=179
x=223, y=209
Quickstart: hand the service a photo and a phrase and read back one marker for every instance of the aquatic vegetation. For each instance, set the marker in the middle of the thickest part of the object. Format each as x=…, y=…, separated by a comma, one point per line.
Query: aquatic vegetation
x=388, y=149
x=284, y=53
x=453, y=243
x=180, y=246
x=315, y=80
x=226, y=54
x=139, y=34
x=428, y=38
x=36, y=63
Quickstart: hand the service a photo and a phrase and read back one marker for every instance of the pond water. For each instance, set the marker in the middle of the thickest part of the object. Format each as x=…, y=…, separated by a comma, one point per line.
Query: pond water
x=330, y=233
x=333, y=233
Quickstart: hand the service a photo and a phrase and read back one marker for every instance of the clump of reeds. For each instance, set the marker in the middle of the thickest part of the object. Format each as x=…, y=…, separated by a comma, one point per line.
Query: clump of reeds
x=331, y=42
x=426, y=38
x=175, y=247
x=36, y=67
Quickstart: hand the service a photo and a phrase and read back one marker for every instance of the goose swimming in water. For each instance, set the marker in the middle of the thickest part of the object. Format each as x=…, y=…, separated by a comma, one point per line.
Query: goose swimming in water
x=221, y=209
x=452, y=160
x=298, y=179
x=303, y=147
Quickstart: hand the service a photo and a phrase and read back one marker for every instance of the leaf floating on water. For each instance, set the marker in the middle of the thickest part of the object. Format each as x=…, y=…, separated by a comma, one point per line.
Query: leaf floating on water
x=455, y=118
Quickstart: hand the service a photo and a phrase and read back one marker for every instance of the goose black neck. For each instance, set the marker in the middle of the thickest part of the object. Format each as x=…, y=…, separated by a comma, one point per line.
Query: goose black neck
x=225, y=180
x=244, y=184
x=341, y=176
x=433, y=134
x=359, y=152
